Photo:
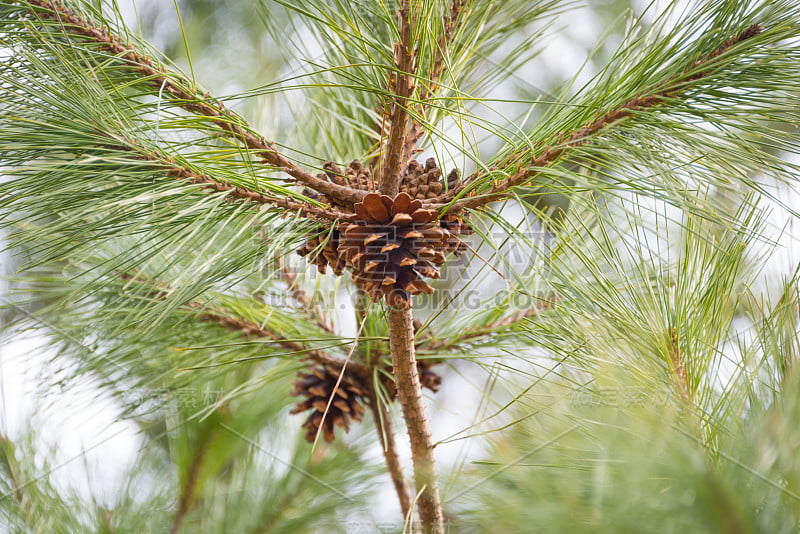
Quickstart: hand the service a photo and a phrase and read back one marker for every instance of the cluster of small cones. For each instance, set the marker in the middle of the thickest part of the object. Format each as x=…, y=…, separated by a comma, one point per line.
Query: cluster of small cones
x=419, y=181
x=395, y=242
x=317, y=388
x=426, y=182
x=355, y=176
x=323, y=250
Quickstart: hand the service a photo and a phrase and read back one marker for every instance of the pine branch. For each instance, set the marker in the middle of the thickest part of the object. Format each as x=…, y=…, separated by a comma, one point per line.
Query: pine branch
x=428, y=90
x=677, y=367
x=402, y=85
x=175, y=170
x=401, y=343
x=385, y=430
x=188, y=492
x=661, y=93
x=297, y=293
x=187, y=97
x=252, y=330
x=478, y=332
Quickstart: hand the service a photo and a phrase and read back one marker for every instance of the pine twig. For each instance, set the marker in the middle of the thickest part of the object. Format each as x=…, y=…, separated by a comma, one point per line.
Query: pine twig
x=402, y=85
x=676, y=365
x=385, y=429
x=187, y=494
x=680, y=381
x=188, y=98
x=669, y=89
x=409, y=389
x=175, y=170
x=298, y=294
x=481, y=331
x=251, y=329
x=416, y=130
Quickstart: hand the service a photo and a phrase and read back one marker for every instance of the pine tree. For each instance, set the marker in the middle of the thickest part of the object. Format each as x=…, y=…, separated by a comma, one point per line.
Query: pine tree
x=638, y=361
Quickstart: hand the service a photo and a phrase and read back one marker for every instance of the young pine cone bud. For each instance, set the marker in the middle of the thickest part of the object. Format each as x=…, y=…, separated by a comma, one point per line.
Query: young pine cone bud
x=334, y=173
x=452, y=178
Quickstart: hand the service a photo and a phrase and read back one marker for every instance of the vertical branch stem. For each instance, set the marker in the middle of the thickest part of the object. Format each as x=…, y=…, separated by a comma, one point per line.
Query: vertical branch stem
x=431, y=86
x=187, y=495
x=402, y=86
x=682, y=385
x=383, y=421
x=401, y=342
x=678, y=369
x=383, y=424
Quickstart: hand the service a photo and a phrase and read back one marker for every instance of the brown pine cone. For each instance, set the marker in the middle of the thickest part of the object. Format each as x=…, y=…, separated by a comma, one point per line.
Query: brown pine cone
x=393, y=246
x=453, y=179
x=427, y=378
x=322, y=256
x=395, y=243
x=317, y=387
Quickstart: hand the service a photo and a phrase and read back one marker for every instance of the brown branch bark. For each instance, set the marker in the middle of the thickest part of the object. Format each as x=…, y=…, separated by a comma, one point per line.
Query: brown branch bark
x=187, y=97
x=669, y=89
x=385, y=429
x=188, y=491
x=402, y=85
x=401, y=343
